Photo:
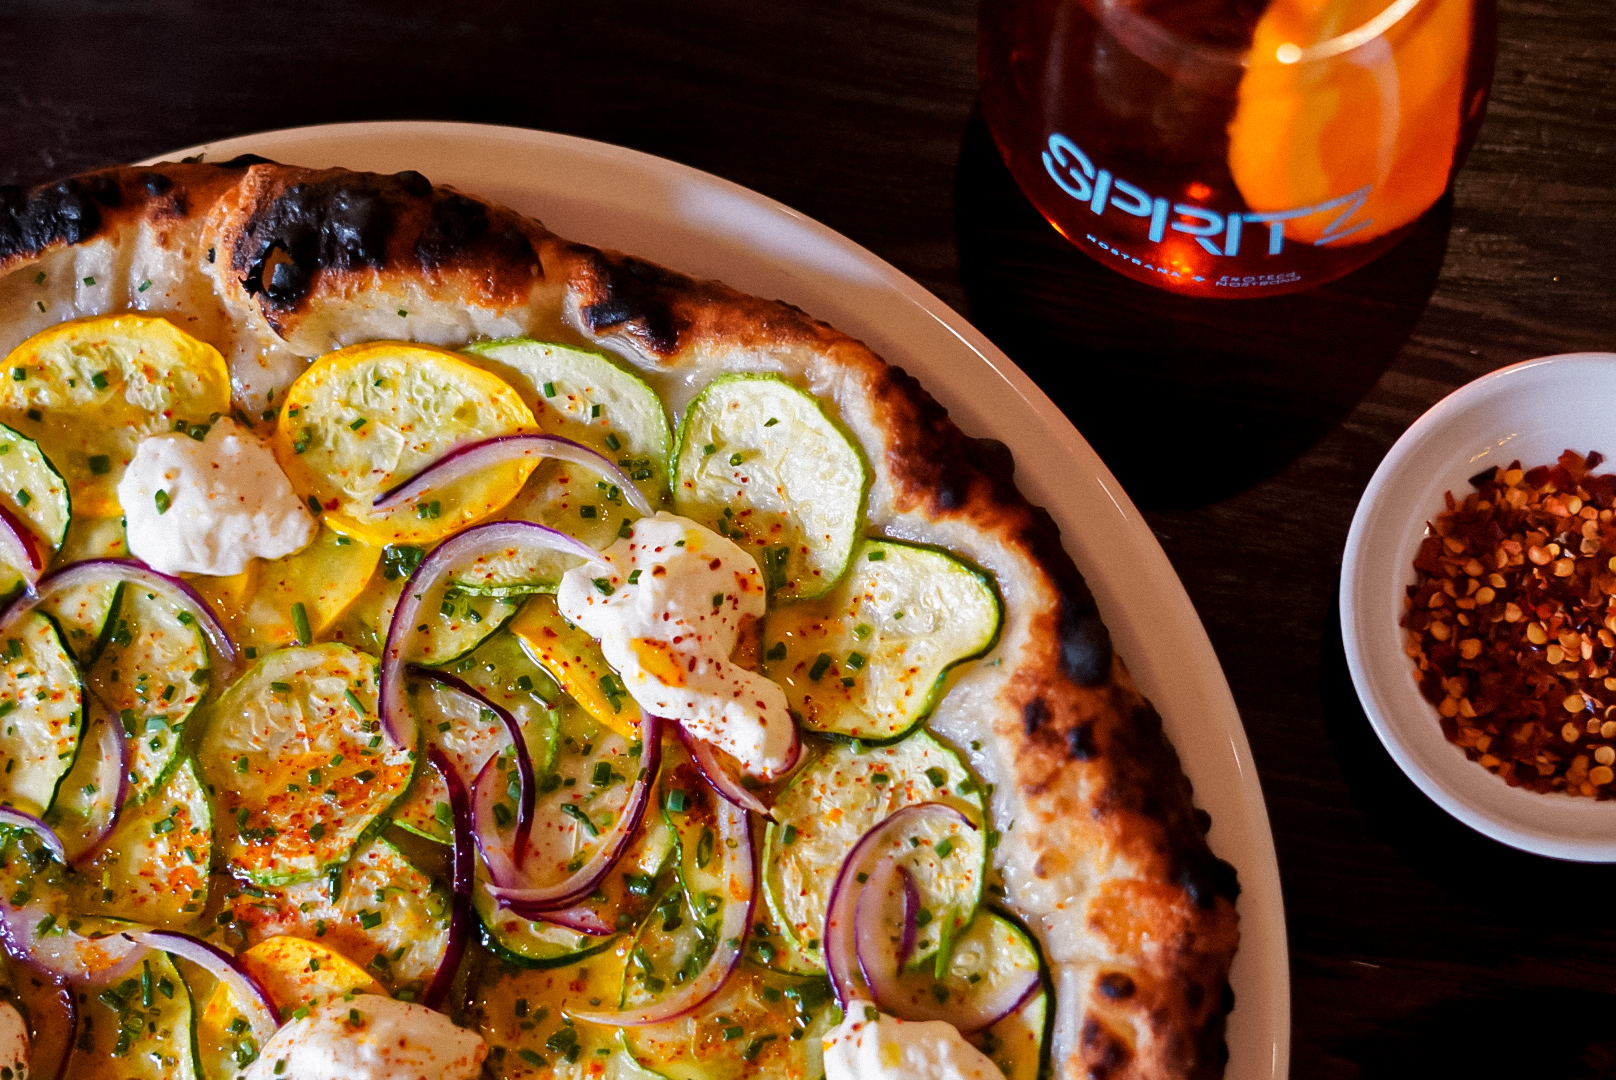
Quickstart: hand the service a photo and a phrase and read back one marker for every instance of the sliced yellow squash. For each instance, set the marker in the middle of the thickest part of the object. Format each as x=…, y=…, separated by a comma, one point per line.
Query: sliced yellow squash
x=88, y=391
x=363, y=419
x=572, y=658
x=260, y=607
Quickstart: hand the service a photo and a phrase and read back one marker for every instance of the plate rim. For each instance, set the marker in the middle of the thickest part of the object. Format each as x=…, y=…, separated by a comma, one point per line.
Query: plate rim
x=1263, y=929
x=1352, y=585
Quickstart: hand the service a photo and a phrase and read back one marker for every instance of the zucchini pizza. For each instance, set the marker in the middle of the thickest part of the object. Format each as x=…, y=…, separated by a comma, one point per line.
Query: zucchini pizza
x=438, y=649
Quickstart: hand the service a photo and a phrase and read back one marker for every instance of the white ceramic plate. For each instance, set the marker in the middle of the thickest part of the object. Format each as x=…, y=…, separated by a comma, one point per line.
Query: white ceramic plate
x=697, y=223
x=1531, y=412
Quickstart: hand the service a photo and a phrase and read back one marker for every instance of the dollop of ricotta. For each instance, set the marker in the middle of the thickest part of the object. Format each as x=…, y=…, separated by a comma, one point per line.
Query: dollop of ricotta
x=667, y=607
x=370, y=1038
x=868, y=1045
x=209, y=507
x=13, y=1042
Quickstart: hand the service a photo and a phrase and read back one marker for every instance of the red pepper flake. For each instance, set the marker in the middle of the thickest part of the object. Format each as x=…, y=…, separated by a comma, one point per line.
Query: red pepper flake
x=1512, y=624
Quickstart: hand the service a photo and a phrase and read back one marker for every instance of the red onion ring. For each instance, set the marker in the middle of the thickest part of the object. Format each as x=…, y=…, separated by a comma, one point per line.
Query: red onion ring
x=512, y=889
x=578, y=919
x=475, y=541
x=250, y=995
x=718, y=778
x=840, y=940
x=735, y=841
x=21, y=548
x=21, y=819
x=58, y=1032
x=477, y=456
x=100, y=571
x=524, y=760
x=114, y=750
x=65, y=953
x=465, y=866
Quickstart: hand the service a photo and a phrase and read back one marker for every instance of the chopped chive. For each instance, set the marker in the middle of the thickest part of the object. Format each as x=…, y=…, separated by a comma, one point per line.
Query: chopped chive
x=23, y=497
x=162, y=501
x=549, y=389
x=613, y=442
x=357, y=424
x=821, y=665
x=634, y=577
x=572, y=811
x=300, y=625
x=777, y=651
x=99, y=380
x=877, y=555
x=709, y=450
x=856, y=661
x=100, y=464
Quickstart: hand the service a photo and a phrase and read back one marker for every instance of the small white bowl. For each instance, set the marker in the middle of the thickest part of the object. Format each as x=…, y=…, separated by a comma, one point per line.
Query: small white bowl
x=1531, y=412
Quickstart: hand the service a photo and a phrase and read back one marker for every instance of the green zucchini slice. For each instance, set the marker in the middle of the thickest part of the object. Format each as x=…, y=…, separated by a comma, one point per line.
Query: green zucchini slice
x=151, y=671
x=296, y=756
x=41, y=714
x=761, y=462
x=455, y=622
x=762, y=1023
x=843, y=794
x=380, y=911
x=871, y=660
x=153, y=868
x=144, y=1028
x=32, y=489
x=1019, y=1044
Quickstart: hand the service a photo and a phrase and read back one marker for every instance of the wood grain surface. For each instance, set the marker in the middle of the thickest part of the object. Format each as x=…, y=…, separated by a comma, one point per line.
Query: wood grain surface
x=1246, y=430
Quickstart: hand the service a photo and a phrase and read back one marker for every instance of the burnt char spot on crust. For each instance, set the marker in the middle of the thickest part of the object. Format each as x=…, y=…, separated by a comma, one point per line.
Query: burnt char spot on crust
x=1103, y=1052
x=155, y=183
x=635, y=296
x=1115, y=985
x=68, y=212
x=1034, y=714
x=242, y=161
x=457, y=225
x=1080, y=741
x=340, y=222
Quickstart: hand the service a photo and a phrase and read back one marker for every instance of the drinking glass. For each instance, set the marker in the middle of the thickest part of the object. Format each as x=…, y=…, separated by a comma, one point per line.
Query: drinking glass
x=1234, y=148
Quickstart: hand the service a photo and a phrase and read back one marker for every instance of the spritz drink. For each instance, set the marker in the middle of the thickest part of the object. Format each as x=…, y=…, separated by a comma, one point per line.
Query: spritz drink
x=1234, y=147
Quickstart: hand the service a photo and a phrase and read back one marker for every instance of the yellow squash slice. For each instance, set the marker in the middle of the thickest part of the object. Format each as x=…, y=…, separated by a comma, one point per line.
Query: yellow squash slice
x=364, y=419
x=260, y=606
x=88, y=391
x=572, y=658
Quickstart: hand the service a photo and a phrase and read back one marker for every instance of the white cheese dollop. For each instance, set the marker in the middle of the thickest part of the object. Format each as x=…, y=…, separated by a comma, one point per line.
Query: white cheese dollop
x=667, y=608
x=868, y=1045
x=392, y=1040
x=13, y=1042
x=223, y=501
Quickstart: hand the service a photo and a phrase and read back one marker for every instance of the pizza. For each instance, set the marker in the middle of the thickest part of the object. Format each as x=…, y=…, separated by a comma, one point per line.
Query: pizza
x=440, y=648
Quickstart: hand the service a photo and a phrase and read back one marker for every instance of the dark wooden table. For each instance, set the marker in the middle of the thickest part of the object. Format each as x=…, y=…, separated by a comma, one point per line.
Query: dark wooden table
x=1419, y=948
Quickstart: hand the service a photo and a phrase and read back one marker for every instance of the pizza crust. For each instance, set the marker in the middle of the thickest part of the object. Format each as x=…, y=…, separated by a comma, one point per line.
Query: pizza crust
x=1101, y=848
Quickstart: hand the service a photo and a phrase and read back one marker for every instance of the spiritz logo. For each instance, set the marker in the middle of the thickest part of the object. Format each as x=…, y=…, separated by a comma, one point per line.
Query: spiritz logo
x=1218, y=233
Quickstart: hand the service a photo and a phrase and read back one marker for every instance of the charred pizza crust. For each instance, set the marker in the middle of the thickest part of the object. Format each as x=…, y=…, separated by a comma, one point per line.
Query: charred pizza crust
x=1102, y=849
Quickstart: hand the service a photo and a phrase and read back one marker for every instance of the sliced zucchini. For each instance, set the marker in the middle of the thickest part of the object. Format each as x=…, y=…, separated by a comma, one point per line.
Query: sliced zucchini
x=322, y=580
x=296, y=756
x=380, y=911
x=41, y=714
x=152, y=670
x=837, y=798
x=153, y=868
x=761, y=462
x=573, y=659
x=1019, y=1044
x=85, y=798
x=529, y=943
x=34, y=492
x=523, y=1015
x=89, y=390
x=987, y=955
x=871, y=660
x=368, y=417
x=92, y=538
x=470, y=734
x=455, y=622
x=83, y=614
x=762, y=1023
x=144, y=1028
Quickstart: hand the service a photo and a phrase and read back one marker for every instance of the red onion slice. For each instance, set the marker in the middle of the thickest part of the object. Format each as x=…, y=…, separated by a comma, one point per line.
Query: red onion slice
x=475, y=541
x=524, y=760
x=465, y=866
x=113, y=752
x=579, y=919
x=21, y=819
x=53, y=1025
x=477, y=456
x=63, y=953
x=250, y=995
x=840, y=937
x=103, y=571
x=512, y=889
x=21, y=548
x=719, y=778
x=735, y=842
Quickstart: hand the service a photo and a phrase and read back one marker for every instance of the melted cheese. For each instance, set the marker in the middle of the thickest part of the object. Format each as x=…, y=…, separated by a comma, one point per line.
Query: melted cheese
x=667, y=607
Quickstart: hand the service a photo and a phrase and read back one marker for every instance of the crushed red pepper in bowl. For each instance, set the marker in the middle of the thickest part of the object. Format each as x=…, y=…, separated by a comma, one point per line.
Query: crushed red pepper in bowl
x=1511, y=624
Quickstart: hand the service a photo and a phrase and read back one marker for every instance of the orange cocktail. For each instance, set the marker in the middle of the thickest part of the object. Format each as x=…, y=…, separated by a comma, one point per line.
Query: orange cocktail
x=1234, y=147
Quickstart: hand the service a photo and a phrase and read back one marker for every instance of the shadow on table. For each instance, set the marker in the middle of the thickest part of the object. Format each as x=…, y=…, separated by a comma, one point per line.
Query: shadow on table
x=1469, y=1036
x=1216, y=395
